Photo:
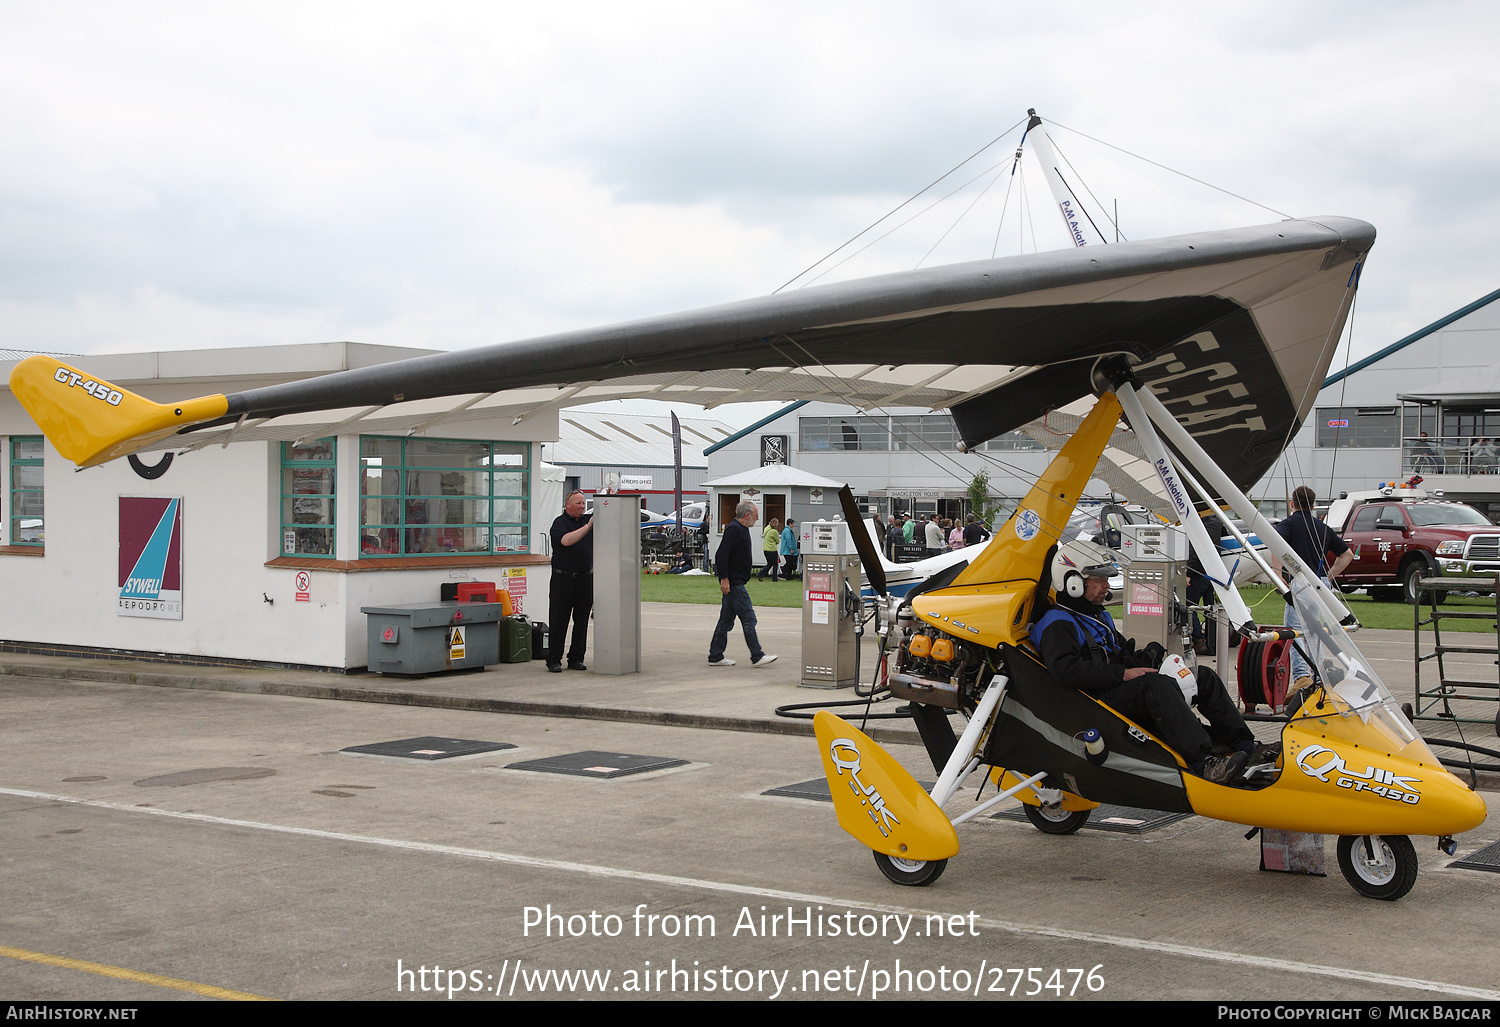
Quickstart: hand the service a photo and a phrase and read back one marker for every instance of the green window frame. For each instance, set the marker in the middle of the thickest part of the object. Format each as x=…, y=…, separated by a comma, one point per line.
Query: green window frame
x=309, y=475
x=443, y=497
x=27, y=520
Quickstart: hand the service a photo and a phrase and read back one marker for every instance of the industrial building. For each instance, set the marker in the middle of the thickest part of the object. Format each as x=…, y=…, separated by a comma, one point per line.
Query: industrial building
x=895, y=460
x=638, y=447
x=1426, y=404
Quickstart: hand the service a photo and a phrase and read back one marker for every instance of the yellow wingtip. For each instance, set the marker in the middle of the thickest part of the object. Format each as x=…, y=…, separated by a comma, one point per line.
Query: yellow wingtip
x=91, y=421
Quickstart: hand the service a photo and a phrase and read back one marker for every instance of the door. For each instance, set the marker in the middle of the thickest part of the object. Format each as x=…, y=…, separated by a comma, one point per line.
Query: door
x=775, y=507
x=727, y=502
x=1361, y=539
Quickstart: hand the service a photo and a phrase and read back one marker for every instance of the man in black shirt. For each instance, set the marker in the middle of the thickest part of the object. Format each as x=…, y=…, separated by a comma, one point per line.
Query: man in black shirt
x=733, y=562
x=974, y=532
x=1312, y=541
x=572, y=583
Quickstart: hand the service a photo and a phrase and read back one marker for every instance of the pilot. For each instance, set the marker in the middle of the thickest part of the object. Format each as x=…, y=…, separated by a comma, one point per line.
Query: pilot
x=1080, y=646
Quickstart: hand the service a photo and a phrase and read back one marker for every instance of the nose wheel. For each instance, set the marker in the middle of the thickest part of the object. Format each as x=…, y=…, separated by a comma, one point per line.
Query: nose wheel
x=1378, y=866
x=912, y=872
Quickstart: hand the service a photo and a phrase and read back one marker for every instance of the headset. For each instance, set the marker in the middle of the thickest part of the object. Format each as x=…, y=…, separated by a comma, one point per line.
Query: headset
x=1079, y=560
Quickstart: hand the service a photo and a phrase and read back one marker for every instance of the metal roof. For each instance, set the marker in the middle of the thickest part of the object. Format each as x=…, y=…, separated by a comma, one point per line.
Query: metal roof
x=615, y=439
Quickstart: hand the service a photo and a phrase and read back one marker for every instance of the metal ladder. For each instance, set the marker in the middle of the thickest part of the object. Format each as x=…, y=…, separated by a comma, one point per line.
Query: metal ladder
x=1447, y=689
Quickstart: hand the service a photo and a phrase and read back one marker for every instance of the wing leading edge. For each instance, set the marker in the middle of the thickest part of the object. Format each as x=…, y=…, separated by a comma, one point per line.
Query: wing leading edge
x=1232, y=329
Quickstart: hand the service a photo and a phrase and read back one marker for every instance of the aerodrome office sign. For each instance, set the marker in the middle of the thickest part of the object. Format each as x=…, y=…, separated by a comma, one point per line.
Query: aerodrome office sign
x=150, y=573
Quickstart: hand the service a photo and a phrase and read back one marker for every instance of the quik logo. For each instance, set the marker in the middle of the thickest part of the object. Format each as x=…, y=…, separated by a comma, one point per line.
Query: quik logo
x=1321, y=762
x=845, y=756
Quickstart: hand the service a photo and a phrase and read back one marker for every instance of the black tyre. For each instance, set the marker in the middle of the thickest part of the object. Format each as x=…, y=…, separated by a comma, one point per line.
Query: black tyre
x=1385, y=595
x=1389, y=875
x=1055, y=819
x=1411, y=591
x=913, y=873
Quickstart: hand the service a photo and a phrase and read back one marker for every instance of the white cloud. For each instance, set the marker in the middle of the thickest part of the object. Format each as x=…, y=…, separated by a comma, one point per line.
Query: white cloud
x=184, y=175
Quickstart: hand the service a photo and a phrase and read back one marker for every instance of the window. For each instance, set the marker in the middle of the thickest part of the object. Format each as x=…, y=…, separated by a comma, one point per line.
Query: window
x=436, y=496
x=307, y=481
x=924, y=432
x=1472, y=423
x=847, y=433
x=1012, y=441
x=26, y=522
x=1357, y=427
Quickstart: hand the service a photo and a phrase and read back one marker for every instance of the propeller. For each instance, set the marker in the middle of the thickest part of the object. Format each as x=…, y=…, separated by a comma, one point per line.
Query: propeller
x=868, y=557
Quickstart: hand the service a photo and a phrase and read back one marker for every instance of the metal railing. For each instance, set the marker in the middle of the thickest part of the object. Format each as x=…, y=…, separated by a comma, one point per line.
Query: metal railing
x=1450, y=454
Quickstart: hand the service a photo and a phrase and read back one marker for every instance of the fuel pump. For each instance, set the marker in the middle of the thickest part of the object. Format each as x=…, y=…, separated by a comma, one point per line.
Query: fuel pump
x=830, y=606
x=1156, y=587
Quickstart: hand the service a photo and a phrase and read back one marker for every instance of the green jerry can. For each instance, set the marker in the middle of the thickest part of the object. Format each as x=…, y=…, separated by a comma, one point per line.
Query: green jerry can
x=515, y=639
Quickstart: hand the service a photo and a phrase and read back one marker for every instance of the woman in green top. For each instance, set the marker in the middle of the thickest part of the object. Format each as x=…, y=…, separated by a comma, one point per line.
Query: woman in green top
x=771, y=544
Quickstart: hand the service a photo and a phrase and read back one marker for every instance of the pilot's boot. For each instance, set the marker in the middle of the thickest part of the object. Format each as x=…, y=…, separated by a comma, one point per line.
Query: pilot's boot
x=1224, y=769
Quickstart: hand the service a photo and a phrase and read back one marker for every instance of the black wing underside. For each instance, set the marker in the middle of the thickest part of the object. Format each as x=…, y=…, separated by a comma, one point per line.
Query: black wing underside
x=1233, y=330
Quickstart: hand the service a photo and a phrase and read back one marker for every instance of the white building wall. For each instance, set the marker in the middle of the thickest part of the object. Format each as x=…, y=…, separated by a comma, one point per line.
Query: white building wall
x=1460, y=348
x=68, y=596
x=231, y=525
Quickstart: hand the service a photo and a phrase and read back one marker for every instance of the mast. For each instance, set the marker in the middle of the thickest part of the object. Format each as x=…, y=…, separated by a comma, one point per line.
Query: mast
x=1067, y=203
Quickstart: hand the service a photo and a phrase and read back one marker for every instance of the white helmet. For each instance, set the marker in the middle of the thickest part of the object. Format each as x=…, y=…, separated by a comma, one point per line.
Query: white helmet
x=1079, y=560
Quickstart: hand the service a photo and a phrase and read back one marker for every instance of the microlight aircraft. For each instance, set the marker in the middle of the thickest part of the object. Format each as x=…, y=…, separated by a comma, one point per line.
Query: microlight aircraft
x=1223, y=334
x=1348, y=763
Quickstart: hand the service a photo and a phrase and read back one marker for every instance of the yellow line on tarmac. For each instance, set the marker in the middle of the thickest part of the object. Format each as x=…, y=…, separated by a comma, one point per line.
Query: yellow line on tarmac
x=207, y=990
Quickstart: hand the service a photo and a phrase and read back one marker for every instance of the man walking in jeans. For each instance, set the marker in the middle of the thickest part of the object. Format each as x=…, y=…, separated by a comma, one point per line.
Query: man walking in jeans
x=733, y=563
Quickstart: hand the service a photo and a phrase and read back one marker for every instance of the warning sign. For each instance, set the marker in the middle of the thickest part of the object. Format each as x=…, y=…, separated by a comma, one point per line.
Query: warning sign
x=304, y=587
x=456, y=642
x=514, y=582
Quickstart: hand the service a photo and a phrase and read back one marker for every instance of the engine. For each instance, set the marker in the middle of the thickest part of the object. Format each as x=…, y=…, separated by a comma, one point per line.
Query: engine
x=938, y=669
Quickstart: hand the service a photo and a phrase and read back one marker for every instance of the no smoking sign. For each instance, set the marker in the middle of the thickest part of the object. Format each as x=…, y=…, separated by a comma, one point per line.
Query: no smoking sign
x=304, y=587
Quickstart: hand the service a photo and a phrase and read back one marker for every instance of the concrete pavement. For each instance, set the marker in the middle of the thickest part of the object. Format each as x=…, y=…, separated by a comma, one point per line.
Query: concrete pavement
x=214, y=832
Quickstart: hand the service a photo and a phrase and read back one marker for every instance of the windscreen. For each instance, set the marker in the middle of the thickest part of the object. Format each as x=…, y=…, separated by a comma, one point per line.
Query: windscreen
x=1350, y=683
x=1455, y=514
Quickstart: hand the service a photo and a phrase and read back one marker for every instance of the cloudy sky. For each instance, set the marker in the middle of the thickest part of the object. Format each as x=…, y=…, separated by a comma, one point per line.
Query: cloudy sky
x=450, y=174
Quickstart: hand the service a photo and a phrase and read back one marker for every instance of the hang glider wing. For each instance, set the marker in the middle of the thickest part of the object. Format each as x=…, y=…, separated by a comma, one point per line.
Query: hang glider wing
x=1233, y=330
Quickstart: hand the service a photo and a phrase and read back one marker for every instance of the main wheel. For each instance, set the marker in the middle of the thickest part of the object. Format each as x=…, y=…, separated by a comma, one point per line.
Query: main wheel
x=912, y=872
x=1055, y=819
x=1378, y=866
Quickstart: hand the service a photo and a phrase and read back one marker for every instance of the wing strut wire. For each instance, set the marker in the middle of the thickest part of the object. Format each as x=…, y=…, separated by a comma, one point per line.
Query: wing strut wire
x=893, y=210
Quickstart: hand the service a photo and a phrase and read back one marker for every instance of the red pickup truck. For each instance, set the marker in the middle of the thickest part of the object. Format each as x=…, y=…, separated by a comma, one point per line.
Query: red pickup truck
x=1397, y=540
